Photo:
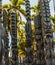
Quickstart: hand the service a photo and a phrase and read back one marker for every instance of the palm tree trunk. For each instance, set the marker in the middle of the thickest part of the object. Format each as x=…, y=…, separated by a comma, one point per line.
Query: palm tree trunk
x=29, y=50
x=14, y=38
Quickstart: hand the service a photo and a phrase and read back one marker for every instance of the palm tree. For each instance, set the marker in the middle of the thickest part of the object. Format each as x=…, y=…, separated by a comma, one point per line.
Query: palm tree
x=29, y=50
x=16, y=5
x=14, y=38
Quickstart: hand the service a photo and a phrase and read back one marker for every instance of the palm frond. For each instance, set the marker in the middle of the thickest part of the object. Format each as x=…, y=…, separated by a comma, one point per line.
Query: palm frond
x=14, y=2
x=35, y=8
x=22, y=11
x=21, y=2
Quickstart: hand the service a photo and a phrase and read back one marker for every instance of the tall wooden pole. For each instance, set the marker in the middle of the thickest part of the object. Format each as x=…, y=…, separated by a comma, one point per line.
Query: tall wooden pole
x=39, y=40
x=29, y=50
x=47, y=30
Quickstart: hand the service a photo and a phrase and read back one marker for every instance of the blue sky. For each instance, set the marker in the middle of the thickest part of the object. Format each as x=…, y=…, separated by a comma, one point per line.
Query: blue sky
x=5, y=1
x=33, y=2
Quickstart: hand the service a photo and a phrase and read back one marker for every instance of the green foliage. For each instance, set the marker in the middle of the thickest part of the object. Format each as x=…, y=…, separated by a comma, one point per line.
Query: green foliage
x=36, y=8
x=53, y=22
x=53, y=18
x=14, y=2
